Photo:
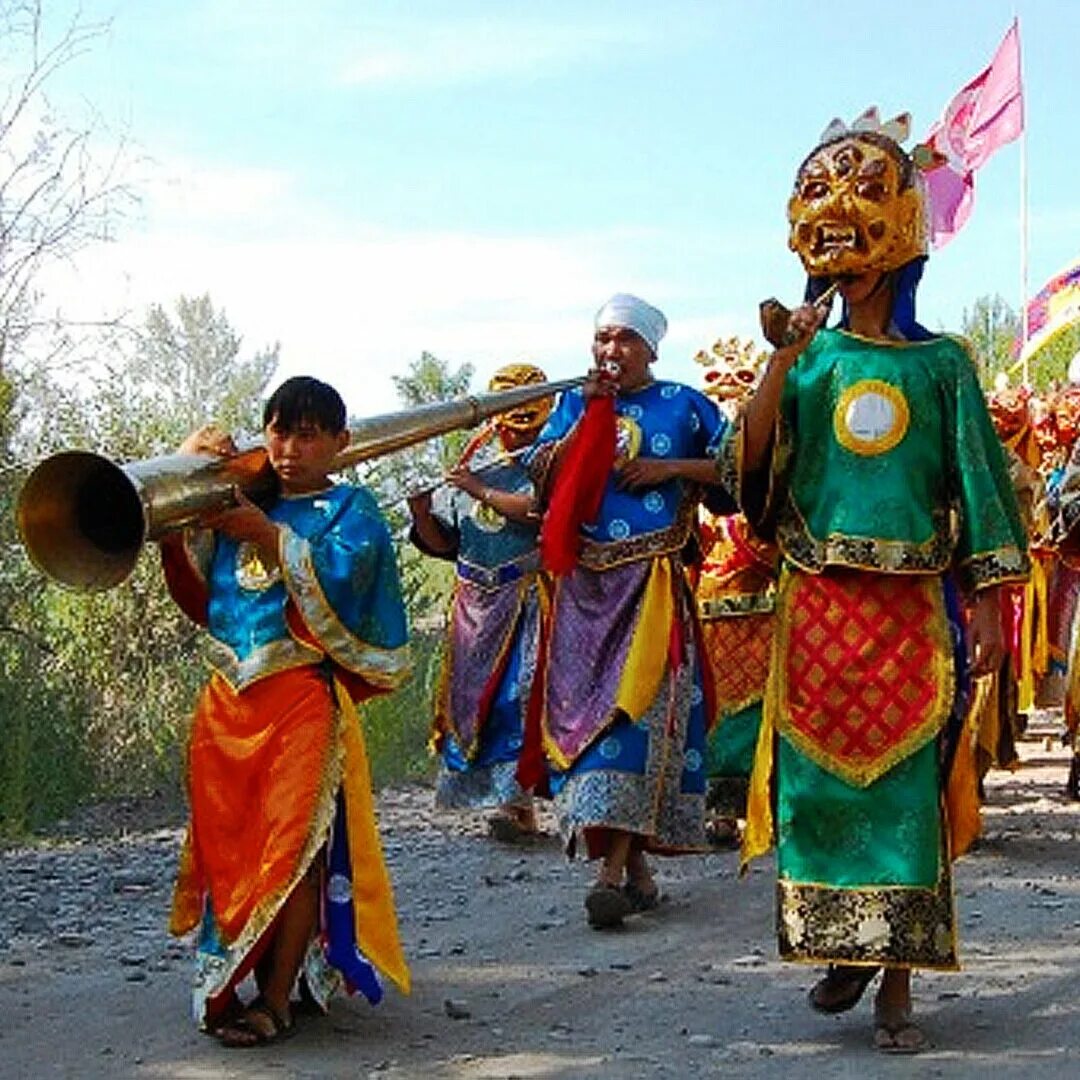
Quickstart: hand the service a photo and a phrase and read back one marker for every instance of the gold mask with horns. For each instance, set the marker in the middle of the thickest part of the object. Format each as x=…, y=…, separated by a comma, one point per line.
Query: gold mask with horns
x=858, y=201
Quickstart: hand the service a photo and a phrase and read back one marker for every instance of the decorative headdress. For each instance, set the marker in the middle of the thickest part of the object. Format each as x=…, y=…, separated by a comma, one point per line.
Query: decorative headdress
x=858, y=203
x=732, y=367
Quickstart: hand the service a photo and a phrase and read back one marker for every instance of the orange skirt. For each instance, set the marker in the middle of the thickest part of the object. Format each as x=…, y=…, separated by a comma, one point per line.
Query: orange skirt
x=263, y=768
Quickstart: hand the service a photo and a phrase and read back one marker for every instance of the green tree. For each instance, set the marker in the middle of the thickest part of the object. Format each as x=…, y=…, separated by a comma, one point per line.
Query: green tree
x=426, y=582
x=991, y=326
x=114, y=673
x=187, y=370
x=61, y=190
x=993, y=329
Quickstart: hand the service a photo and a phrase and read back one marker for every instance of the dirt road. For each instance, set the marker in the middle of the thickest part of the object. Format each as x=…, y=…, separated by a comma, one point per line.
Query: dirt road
x=509, y=981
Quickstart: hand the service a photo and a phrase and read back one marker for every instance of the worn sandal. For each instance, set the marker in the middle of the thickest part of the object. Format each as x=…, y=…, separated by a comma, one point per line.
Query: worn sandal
x=507, y=829
x=607, y=906
x=895, y=1032
x=840, y=988
x=641, y=899
x=259, y=1025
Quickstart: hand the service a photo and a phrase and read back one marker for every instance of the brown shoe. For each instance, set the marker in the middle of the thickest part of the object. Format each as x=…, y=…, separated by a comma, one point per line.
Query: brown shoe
x=607, y=906
x=840, y=988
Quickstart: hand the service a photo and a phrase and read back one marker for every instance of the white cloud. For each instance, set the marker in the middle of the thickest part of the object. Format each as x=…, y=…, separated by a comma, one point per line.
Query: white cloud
x=190, y=192
x=357, y=309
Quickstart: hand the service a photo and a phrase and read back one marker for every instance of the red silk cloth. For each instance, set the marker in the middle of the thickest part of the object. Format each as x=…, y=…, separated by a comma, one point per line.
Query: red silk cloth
x=866, y=675
x=579, y=485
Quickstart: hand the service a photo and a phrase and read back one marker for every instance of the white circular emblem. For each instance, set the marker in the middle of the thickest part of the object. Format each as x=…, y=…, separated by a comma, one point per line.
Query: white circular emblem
x=618, y=529
x=692, y=761
x=871, y=417
x=653, y=502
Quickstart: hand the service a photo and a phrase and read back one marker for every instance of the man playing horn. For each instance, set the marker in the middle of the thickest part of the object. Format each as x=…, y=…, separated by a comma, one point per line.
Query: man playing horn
x=488, y=524
x=282, y=869
x=620, y=705
x=867, y=451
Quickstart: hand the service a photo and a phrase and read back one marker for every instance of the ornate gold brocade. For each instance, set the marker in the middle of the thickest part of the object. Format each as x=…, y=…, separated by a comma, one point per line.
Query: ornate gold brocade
x=899, y=926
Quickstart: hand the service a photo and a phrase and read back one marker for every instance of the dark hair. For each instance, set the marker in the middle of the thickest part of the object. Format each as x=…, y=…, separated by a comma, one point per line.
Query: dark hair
x=304, y=400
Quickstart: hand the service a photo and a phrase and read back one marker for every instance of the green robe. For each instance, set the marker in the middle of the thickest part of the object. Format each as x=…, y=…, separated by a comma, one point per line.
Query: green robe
x=885, y=462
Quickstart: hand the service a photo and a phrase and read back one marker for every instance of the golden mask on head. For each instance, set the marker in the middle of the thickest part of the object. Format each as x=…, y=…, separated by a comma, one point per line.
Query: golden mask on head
x=530, y=417
x=858, y=201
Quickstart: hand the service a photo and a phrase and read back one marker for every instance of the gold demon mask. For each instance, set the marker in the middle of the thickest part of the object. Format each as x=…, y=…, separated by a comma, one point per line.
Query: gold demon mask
x=857, y=206
x=731, y=369
x=530, y=417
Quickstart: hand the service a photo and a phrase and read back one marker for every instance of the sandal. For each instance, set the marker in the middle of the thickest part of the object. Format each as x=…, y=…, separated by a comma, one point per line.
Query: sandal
x=225, y=1016
x=508, y=829
x=259, y=1025
x=607, y=906
x=722, y=834
x=840, y=988
x=894, y=1030
x=641, y=899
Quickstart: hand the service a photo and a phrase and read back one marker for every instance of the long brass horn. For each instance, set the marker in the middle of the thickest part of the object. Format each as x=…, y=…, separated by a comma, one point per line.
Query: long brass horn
x=84, y=519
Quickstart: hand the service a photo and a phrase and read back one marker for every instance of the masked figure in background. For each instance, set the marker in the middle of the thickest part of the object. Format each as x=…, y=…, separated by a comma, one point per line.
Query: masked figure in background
x=995, y=719
x=868, y=452
x=735, y=586
x=1062, y=563
x=1065, y=502
x=488, y=524
x=621, y=708
x=1038, y=682
x=282, y=869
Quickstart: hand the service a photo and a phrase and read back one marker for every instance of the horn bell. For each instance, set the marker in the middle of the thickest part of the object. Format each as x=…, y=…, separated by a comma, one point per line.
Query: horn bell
x=81, y=520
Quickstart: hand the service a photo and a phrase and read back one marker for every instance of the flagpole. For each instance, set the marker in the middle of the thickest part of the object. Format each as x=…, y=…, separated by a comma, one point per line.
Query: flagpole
x=1023, y=235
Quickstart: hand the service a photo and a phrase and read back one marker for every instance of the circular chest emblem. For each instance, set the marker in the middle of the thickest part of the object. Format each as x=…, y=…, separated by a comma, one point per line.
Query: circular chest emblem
x=871, y=417
x=252, y=574
x=627, y=440
x=486, y=518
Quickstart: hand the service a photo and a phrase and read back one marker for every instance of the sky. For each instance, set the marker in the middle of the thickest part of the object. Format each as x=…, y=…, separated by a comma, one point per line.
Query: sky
x=362, y=180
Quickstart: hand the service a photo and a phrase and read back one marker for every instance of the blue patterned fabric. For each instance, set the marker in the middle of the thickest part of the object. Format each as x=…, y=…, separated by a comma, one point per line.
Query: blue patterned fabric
x=348, y=543
x=661, y=420
x=493, y=554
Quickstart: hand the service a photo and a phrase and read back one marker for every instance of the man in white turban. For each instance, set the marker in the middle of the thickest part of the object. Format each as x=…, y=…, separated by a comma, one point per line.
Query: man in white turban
x=621, y=711
x=632, y=313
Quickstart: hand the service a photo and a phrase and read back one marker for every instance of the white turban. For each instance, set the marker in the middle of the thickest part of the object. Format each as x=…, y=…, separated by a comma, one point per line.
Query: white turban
x=634, y=314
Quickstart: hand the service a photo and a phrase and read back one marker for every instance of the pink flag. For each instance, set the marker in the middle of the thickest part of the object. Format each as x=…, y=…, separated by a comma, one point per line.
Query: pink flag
x=984, y=115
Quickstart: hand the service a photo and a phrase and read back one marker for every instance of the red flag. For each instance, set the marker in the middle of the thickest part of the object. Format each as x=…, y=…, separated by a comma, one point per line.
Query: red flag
x=984, y=115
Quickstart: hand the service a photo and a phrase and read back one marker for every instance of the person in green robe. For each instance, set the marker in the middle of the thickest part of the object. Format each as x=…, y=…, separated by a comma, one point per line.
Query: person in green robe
x=868, y=454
